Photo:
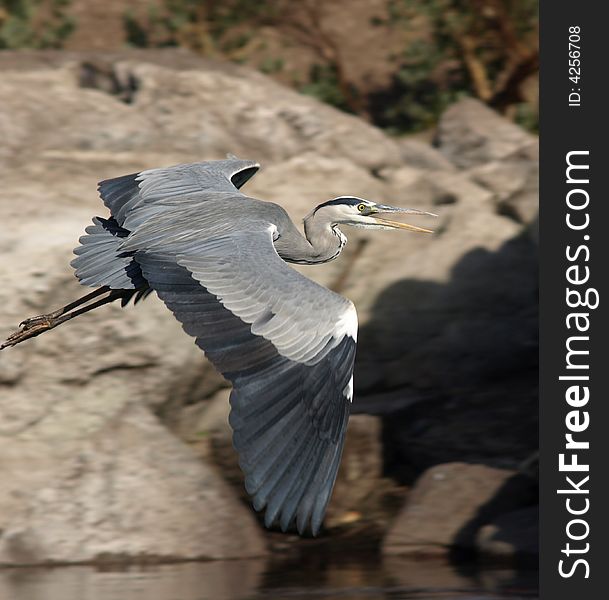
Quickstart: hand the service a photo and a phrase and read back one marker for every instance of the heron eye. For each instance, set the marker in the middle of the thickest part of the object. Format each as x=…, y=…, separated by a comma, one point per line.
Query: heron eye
x=361, y=207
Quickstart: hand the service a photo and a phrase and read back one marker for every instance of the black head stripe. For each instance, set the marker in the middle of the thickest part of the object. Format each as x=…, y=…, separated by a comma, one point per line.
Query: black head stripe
x=342, y=201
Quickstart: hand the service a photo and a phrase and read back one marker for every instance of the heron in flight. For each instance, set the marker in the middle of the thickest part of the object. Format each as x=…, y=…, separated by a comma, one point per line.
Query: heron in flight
x=218, y=259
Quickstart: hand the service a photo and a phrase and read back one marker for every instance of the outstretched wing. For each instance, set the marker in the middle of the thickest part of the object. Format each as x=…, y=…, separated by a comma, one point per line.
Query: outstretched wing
x=287, y=345
x=122, y=195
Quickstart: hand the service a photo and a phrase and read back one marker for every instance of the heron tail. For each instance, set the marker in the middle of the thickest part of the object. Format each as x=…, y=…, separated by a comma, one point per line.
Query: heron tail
x=99, y=260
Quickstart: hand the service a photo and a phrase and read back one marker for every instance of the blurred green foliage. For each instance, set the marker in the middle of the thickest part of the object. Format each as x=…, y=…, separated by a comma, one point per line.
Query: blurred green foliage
x=417, y=96
x=481, y=48
x=203, y=25
x=271, y=65
x=34, y=23
x=323, y=84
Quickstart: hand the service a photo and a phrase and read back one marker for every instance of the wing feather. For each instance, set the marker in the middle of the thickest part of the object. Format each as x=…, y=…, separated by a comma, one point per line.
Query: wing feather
x=123, y=195
x=290, y=367
x=303, y=325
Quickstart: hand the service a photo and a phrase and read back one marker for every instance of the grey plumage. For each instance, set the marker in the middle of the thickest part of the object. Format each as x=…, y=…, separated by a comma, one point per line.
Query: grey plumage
x=289, y=412
x=289, y=418
x=218, y=260
x=99, y=260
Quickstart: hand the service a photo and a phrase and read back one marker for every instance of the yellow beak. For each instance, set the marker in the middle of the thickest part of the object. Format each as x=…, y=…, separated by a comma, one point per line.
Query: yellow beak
x=398, y=225
x=383, y=208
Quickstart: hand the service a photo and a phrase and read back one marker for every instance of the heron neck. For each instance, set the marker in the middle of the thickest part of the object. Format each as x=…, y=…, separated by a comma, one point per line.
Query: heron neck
x=325, y=238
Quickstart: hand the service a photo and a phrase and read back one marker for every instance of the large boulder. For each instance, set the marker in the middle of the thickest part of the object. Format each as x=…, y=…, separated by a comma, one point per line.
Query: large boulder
x=469, y=134
x=451, y=503
x=128, y=489
x=197, y=112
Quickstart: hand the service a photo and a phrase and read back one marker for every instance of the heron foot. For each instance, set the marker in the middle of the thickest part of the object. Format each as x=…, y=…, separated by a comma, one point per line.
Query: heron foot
x=30, y=328
x=36, y=325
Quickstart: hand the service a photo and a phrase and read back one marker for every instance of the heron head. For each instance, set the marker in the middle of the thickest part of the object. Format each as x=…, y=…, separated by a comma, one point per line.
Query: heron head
x=359, y=212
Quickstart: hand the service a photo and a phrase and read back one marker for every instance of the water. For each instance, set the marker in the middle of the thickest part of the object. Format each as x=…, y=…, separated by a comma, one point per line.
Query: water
x=392, y=579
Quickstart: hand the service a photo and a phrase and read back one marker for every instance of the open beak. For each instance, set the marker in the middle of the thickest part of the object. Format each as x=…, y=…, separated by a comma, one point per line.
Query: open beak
x=381, y=220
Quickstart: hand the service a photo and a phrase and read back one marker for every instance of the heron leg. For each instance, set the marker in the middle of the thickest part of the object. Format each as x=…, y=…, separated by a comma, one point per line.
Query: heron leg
x=39, y=324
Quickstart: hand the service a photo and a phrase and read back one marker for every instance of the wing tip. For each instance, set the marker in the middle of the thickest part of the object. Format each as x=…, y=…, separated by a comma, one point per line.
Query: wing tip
x=272, y=519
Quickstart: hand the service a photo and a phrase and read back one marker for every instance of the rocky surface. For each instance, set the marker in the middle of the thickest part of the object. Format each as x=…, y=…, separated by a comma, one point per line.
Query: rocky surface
x=129, y=489
x=451, y=503
x=471, y=134
x=93, y=414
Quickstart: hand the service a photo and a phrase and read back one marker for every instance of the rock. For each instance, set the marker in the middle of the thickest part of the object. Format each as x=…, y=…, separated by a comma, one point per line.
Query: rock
x=204, y=418
x=300, y=181
x=416, y=153
x=469, y=134
x=511, y=535
x=514, y=182
x=204, y=112
x=405, y=178
x=11, y=371
x=449, y=503
x=128, y=489
x=197, y=402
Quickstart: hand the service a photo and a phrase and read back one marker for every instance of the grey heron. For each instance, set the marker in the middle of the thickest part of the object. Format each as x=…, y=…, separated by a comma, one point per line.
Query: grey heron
x=218, y=259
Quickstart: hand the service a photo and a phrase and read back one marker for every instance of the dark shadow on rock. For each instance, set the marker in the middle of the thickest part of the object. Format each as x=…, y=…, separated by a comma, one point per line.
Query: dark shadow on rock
x=519, y=494
x=464, y=354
